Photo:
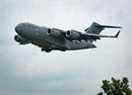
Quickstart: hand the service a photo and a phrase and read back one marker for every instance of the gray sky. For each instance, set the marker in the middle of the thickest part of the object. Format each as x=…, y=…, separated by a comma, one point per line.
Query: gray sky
x=25, y=70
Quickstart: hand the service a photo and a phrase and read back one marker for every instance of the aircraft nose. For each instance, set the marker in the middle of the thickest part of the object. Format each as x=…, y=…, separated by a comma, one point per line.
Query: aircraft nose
x=17, y=29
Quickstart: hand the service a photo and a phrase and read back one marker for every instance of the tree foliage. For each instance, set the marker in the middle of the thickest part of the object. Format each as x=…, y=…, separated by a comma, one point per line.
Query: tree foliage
x=116, y=87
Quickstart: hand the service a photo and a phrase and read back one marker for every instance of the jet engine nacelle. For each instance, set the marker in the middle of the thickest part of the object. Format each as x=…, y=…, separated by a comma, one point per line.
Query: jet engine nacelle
x=72, y=34
x=54, y=32
x=21, y=40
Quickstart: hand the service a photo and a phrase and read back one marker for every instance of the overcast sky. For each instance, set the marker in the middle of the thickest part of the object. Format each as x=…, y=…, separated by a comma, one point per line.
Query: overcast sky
x=25, y=70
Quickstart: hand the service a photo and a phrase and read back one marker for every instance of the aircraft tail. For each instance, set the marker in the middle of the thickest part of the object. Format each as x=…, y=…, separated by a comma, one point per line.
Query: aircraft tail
x=96, y=28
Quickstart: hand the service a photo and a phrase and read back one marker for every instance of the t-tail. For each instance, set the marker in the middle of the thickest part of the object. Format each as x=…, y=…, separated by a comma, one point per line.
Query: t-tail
x=96, y=28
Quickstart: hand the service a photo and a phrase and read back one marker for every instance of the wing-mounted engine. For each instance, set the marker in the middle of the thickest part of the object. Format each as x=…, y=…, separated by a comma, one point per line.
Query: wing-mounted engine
x=21, y=40
x=73, y=34
x=54, y=32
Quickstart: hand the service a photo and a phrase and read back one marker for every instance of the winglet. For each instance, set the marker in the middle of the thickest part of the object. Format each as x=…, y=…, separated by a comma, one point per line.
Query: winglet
x=116, y=36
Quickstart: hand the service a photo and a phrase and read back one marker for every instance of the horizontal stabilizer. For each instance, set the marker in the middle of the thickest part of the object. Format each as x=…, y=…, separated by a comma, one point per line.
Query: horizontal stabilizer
x=106, y=26
x=96, y=28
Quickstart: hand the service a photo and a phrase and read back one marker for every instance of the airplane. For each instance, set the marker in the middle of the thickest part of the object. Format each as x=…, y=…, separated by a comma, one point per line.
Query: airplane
x=49, y=39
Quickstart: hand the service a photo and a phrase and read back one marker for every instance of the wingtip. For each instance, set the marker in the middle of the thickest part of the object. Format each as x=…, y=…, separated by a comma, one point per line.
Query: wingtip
x=120, y=27
x=116, y=36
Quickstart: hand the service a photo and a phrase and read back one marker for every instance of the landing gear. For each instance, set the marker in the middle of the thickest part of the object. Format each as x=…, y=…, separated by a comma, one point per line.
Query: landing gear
x=46, y=50
x=50, y=49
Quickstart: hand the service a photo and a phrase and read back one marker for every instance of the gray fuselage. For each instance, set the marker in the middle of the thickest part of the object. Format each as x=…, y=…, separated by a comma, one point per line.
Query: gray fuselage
x=53, y=39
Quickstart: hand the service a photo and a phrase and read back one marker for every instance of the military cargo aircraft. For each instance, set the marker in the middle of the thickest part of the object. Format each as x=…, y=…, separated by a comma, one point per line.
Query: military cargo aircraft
x=49, y=39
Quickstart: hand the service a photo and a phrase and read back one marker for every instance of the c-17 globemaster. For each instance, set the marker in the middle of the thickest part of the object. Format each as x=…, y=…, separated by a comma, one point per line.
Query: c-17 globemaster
x=56, y=39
